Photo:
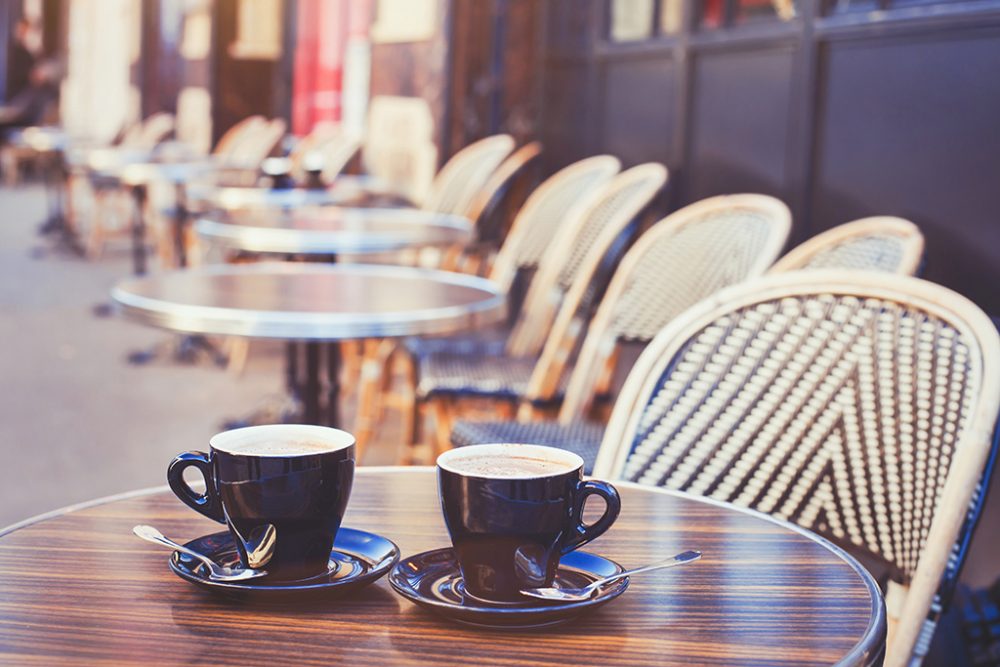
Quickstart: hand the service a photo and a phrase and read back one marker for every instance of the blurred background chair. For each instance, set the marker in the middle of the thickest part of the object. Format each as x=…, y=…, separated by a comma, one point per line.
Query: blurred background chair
x=686, y=257
x=858, y=405
x=880, y=243
x=569, y=280
x=534, y=227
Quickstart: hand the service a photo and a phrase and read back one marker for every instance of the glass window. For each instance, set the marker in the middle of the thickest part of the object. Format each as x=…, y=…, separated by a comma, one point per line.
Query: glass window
x=671, y=15
x=757, y=10
x=631, y=20
x=712, y=12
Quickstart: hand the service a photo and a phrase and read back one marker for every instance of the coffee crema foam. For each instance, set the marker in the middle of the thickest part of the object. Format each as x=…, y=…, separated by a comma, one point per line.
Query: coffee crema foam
x=256, y=447
x=489, y=465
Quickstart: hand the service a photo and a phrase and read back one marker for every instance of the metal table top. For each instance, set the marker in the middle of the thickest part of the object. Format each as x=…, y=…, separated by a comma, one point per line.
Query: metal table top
x=41, y=139
x=284, y=300
x=334, y=230
x=206, y=196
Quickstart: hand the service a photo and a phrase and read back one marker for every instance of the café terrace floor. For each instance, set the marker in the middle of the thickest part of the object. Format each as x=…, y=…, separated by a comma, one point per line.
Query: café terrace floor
x=78, y=422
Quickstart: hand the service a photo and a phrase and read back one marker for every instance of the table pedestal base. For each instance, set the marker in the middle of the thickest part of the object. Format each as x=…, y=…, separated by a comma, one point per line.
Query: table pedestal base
x=312, y=380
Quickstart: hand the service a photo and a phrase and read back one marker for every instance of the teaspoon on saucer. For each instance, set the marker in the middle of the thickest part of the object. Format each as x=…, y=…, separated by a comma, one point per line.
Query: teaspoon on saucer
x=216, y=571
x=585, y=593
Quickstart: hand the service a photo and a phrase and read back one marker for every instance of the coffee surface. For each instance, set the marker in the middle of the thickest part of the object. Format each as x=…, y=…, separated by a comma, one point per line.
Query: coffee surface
x=279, y=448
x=507, y=466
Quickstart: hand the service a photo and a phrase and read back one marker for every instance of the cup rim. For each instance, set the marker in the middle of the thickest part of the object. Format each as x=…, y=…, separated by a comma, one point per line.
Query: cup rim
x=336, y=439
x=572, y=461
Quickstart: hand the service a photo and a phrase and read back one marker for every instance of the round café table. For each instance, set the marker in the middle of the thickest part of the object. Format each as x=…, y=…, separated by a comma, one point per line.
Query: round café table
x=331, y=231
x=316, y=304
x=78, y=587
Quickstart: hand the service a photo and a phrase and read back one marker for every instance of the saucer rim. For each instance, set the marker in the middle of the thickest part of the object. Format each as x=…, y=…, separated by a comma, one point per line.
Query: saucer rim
x=377, y=570
x=511, y=610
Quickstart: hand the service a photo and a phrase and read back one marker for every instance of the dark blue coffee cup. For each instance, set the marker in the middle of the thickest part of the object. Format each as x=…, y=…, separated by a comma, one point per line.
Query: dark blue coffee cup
x=287, y=484
x=513, y=510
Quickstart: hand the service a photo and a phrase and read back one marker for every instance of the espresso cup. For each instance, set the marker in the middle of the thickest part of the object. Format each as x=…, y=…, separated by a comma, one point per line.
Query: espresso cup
x=283, y=482
x=512, y=512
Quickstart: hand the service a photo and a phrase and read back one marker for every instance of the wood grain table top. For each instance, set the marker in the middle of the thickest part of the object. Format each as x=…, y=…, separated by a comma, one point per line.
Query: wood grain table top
x=77, y=587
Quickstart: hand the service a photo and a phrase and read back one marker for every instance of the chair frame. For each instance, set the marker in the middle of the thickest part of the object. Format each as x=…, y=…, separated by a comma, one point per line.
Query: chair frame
x=910, y=239
x=469, y=259
x=235, y=134
x=508, y=262
x=958, y=502
x=447, y=183
x=509, y=258
x=545, y=299
x=543, y=302
x=595, y=361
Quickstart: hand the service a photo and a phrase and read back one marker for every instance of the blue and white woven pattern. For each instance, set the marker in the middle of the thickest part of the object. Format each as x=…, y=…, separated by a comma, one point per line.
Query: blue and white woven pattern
x=838, y=413
x=465, y=375
x=581, y=437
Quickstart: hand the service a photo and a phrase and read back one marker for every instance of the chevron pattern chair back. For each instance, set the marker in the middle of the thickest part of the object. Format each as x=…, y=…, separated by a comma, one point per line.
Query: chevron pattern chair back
x=859, y=405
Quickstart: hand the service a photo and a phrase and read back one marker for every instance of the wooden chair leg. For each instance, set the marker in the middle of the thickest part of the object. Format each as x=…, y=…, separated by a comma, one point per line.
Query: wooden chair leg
x=237, y=352
x=369, y=380
x=444, y=417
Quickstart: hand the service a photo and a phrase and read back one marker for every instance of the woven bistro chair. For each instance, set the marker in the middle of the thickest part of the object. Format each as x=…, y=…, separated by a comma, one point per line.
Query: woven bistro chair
x=885, y=244
x=482, y=208
x=150, y=132
x=881, y=243
x=563, y=284
x=463, y=176
x=255, y=144
x=859, y=405
x=234, y=135
x=557, y=202
x=688, y=256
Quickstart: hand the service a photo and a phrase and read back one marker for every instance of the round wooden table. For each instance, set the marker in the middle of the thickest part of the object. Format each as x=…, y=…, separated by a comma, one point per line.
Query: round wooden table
x=78, y=587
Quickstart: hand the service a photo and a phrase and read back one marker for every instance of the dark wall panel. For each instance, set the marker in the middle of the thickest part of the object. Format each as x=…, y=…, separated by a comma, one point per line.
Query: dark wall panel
x=568, y=132
x=640, y=110
x=910, y=127
x=740, y=116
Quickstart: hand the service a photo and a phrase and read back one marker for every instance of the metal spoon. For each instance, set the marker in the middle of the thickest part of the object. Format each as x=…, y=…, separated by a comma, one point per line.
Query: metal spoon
x=578, y=594
x=216, y=571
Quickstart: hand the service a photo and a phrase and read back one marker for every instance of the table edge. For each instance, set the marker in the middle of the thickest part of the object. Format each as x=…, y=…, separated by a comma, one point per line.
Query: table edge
x=318, y=326
x=282, y=240
x=867, y=651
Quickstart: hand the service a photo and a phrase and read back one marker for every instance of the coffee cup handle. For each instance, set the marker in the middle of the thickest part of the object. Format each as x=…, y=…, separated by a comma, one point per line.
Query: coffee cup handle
x=207, y=503
x=583, y=533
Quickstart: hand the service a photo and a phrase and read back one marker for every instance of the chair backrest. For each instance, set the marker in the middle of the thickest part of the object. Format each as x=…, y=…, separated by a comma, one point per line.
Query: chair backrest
x=456, y=185
x=579, y=247
x=859, y=405
x=686, y=257
x=150, y=132
x=254, y=146
x=237, y=133
x=498, y=183
x=545, y=210
x=881, y=243
x=337, y=153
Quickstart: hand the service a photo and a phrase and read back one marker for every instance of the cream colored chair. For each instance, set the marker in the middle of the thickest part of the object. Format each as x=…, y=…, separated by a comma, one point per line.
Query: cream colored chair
x=588, y=239
x=881, y=243
x=859, y=405
x=688, y=256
